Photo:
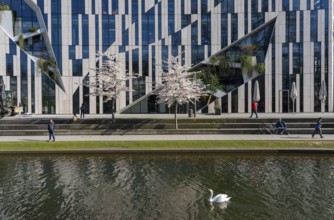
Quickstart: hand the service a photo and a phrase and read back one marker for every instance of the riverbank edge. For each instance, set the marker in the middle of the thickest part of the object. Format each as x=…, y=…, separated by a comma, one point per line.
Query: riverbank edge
x=174, y=151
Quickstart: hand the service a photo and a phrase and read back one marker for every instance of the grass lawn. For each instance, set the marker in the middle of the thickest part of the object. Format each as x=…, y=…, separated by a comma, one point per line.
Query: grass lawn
x=242, y=144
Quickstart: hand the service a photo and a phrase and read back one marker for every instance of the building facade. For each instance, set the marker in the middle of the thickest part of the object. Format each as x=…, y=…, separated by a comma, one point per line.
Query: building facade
x=48, y=50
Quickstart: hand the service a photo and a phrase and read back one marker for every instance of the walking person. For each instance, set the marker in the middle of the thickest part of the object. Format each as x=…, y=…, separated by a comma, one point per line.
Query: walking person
x=317, y=128
x=82, y=110
x=254, y=109
x=51, y=129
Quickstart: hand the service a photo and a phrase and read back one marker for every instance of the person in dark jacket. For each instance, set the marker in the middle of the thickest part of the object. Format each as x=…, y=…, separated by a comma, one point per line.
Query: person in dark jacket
x=317, y=128
x=82, y=110
x=281, y=126
x=51, y=129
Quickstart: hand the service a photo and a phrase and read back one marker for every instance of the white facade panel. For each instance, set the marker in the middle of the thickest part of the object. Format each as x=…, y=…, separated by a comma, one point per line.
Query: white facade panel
x=241, y=99
x=194, y=42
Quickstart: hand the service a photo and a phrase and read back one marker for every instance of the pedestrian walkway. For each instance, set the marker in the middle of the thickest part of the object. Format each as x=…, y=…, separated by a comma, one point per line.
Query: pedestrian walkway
x=224, y=115
x=163, y=137
x=173, y=136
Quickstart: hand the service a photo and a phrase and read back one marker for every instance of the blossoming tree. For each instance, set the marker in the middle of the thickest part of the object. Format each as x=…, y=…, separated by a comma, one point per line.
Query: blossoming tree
x=177, y=88
x=109, y=81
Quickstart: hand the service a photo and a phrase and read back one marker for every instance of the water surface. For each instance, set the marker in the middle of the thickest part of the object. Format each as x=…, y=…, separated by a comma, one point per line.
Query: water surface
x=166, y=186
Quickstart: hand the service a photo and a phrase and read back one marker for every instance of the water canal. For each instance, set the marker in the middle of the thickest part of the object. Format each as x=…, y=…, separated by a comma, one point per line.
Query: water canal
x=166, y=186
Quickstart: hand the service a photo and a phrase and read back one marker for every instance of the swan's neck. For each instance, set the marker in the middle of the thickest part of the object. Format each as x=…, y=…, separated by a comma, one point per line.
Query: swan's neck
x=211, y=195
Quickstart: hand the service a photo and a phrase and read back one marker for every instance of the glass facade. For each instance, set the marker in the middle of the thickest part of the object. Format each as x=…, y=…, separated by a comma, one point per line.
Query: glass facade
x=289, y=41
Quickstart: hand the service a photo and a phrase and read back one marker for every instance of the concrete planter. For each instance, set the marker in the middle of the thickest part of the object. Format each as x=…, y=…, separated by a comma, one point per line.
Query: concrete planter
x=6, y=23
x=248, y=76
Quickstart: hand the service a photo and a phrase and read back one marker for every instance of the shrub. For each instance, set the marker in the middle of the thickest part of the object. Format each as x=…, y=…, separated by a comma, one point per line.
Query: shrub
x=246, y=63
x=44, y=64
x=4, y=8
x=21, y=41
x=260, y=67
x=33, y=29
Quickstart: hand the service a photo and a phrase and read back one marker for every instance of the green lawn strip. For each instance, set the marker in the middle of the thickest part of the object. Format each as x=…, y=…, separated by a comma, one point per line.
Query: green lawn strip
x=242, y=144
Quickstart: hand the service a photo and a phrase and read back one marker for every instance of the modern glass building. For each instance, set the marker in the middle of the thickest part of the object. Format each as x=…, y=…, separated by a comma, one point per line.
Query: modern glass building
x=48, y=50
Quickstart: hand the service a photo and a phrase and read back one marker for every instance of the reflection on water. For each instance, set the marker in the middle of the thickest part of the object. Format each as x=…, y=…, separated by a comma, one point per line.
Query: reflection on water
x=166, y=187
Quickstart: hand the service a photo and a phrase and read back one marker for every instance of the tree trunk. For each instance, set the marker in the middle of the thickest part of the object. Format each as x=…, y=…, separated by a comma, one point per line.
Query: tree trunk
x=176, y=125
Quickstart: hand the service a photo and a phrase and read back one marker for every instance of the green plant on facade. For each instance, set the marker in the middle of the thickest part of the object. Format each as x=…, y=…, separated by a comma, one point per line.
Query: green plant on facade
x=21, y=41
x=44, y=65
x=246, y=59
x=211, y=75
x=4, y=8
x=246, y=63
x=33, y=29
x=260, y=67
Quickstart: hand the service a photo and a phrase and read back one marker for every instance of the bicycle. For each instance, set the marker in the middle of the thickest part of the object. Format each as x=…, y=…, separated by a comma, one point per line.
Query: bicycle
x=267, y=128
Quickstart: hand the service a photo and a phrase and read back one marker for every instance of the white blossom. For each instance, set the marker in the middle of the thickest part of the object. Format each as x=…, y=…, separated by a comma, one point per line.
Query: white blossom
x=177, y=86
x=110, y=79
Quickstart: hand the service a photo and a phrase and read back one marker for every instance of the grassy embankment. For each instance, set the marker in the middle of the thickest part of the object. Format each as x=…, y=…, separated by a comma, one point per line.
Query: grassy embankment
x=242, y=144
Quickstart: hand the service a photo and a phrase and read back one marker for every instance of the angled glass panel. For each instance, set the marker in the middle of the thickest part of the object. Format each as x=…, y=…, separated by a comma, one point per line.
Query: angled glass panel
x=23, y=23
x=227, y=62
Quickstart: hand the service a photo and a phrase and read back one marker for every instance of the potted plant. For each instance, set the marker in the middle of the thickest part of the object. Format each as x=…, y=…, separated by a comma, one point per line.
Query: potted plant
x=5, y=15
x=246, y=64
x=248, y=61
x=4, y=8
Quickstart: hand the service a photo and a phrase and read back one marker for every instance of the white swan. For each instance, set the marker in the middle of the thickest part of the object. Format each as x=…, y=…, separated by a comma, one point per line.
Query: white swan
x=219, y=197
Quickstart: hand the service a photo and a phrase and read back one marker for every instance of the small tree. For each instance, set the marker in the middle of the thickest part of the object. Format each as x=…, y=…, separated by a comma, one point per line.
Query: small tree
x=177, y=88
x=110, y=80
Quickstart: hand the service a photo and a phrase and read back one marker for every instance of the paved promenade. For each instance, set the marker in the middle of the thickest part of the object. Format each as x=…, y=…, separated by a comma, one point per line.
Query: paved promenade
x=177, y=137
x=224, y=115
x=164, y=137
